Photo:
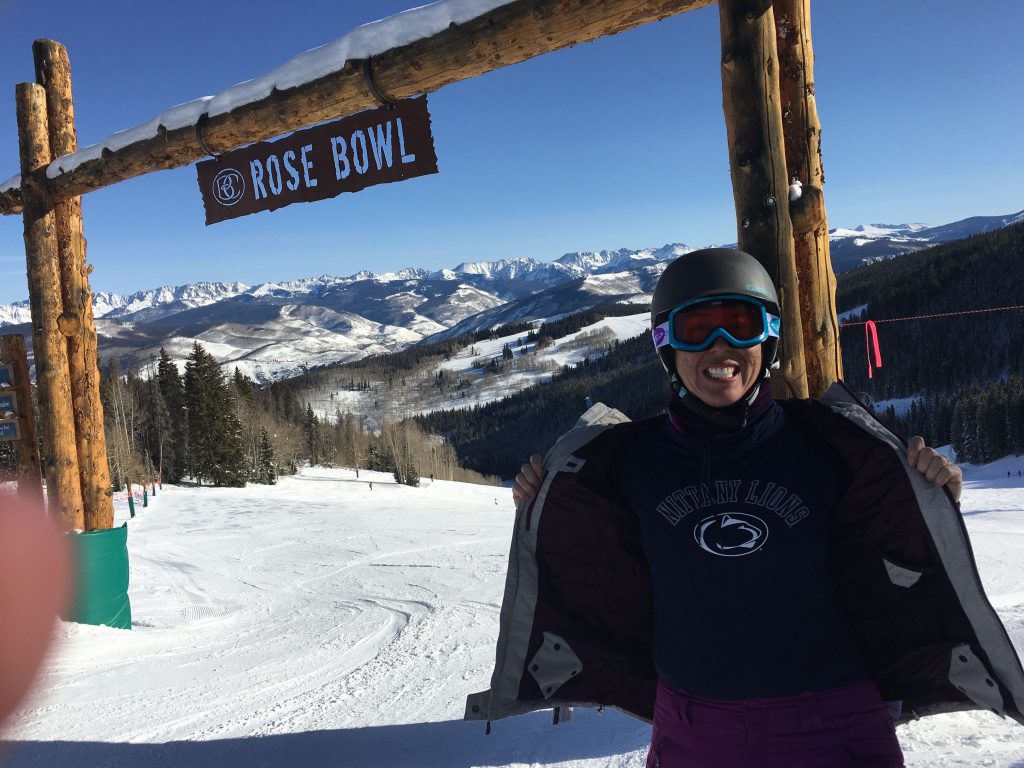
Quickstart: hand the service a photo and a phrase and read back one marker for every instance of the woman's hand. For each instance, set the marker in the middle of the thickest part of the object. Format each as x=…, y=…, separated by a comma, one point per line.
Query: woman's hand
x=528, y=480
x=937, y=469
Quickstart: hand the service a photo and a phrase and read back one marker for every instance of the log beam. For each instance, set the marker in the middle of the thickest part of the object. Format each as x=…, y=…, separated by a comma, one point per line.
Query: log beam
x=26, y=450
x=63, y=486
x=53, y=72
x=753, y=118
x=802, y=128
x=506, y=35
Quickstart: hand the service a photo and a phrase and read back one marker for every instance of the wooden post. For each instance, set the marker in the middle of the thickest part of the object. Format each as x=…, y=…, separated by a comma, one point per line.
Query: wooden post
x=53, y=72
x=26, y=451
x=753, y=118
x=802, y=129
x=64, y=491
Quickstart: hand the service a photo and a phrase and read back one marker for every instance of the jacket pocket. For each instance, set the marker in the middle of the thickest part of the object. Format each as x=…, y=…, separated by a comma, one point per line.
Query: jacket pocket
x=901, y=576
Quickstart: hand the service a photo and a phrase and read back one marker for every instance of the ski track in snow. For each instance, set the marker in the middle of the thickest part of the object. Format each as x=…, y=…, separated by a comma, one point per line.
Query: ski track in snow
x=319, y=623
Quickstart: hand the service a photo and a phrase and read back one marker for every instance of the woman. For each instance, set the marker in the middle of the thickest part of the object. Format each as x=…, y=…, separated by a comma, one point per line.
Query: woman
x=769, y=581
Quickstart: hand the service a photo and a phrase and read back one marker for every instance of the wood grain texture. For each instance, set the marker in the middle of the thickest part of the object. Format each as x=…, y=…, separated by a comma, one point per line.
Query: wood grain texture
x=60, y=460
x=815, y=278
x=53, y=72
x=753, y=118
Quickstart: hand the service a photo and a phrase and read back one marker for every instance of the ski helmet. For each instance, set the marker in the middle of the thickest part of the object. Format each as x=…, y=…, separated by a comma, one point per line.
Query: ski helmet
x=713, y=272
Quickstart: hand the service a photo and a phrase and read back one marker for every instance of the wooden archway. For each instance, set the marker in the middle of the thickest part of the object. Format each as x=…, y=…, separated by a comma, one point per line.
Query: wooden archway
x=773, y=135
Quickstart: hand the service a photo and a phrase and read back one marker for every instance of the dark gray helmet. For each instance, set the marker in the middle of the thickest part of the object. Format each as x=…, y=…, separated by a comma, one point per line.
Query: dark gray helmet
x=713, y=272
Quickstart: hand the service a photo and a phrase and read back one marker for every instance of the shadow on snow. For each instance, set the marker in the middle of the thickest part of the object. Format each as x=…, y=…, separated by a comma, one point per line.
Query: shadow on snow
x=450, y=744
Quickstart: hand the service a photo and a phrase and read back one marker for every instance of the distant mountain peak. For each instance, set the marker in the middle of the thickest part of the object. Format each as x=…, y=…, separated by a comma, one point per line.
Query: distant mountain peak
x=277, y=328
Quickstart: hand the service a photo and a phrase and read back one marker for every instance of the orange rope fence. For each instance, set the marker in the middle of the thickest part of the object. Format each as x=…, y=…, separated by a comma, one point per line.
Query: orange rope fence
x=871, y=334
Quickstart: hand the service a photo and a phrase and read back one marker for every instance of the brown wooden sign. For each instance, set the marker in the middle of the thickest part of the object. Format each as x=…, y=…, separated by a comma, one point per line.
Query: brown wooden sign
x=373, y=147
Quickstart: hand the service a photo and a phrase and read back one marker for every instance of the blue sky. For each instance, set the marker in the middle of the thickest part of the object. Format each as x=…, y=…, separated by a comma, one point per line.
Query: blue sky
x=616, y=143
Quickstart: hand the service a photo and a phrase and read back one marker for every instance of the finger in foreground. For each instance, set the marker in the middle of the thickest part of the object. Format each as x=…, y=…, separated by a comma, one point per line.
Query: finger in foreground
x=34, y=588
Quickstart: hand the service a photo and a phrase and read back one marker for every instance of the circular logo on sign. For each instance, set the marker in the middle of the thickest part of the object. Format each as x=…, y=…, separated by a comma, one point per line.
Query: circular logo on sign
x=731, y=534
x=228, y=186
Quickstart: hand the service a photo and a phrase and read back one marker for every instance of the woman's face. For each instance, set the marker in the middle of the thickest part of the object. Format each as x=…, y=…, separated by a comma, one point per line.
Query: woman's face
x=719, y=375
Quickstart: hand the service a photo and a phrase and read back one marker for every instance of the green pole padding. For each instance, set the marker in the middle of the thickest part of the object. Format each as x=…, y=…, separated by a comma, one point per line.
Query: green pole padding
x=131, y=504
x=145, y=497
x=101, y=578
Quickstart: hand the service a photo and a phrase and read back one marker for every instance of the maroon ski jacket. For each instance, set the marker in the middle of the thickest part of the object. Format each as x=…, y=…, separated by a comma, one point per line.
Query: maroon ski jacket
x=576, y=619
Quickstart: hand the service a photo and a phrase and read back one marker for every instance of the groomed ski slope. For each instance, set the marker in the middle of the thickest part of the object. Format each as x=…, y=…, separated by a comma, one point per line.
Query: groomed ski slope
x=321, y=623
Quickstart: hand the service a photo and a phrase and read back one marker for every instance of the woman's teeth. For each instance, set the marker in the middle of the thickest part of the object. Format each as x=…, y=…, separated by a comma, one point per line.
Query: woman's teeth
x=722, y=373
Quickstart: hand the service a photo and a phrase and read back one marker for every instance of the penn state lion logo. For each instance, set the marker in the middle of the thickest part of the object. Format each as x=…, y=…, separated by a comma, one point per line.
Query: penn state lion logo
x=731, y=534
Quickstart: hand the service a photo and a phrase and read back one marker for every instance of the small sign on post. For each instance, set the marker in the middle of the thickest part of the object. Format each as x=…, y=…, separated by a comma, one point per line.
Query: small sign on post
x=8, y=405
x=9, y=430
x=378, y=146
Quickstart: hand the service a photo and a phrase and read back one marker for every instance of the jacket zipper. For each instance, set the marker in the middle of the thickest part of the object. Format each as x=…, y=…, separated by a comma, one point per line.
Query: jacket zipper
x=706, y=468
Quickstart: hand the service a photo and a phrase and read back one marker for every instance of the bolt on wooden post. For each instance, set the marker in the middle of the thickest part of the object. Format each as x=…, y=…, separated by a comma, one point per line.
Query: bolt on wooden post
x=753, y=119
x=76, y=323
x=64, y=490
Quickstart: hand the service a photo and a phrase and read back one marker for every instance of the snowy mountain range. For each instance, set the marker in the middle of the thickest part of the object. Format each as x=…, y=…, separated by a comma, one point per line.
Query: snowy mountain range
x=275, y=330
x=852, y=248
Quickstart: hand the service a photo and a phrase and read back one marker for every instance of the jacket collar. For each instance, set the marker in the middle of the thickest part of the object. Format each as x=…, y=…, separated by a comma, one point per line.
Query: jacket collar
x=694, y=418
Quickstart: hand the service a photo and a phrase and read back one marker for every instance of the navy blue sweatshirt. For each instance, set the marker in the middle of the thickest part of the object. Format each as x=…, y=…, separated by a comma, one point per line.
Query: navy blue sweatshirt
x=735, y=529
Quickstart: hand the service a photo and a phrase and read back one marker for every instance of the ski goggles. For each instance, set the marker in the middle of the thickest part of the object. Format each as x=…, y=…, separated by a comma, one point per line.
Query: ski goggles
x=695, y=325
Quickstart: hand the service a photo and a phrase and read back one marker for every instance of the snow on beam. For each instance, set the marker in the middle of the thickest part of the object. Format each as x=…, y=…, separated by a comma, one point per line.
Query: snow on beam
x=414, y=52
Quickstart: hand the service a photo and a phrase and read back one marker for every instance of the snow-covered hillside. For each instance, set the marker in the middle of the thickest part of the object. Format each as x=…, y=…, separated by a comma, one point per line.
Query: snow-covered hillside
x=322, y=623
x=866, y=243
x=279, y=329
x=417, y=393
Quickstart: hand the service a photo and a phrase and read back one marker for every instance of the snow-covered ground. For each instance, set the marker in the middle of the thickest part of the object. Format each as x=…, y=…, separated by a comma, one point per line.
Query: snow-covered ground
x=320, y=622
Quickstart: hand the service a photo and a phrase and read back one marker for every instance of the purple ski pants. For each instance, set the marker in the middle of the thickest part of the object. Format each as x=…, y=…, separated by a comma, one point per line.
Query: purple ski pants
x=840, y=728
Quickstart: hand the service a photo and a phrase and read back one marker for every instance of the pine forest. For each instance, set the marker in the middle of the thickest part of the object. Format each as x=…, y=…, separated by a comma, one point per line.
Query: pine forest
x=950, y=328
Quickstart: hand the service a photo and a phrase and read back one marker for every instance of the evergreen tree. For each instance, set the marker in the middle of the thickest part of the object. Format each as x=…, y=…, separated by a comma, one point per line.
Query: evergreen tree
x=215, y=445
x=159, y=428
x=266, y=472
x=311, y=433
x=230, y=466
x=172, y=392
x=244, y=386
